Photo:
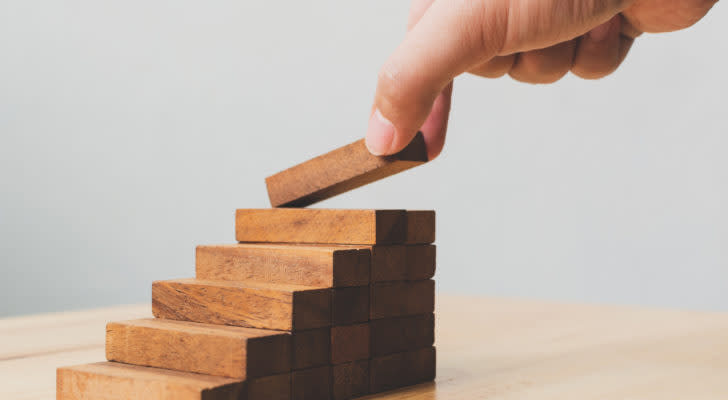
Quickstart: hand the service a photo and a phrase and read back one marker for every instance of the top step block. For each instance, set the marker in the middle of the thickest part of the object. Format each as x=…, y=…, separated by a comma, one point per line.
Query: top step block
x=334, y=226
x=339, y=171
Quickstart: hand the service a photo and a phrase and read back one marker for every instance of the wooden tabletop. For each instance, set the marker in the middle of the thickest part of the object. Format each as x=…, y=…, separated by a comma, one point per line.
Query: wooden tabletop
x=487, y=349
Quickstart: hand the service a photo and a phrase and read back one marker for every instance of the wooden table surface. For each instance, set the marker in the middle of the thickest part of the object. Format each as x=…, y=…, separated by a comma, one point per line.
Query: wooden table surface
x=487, y=349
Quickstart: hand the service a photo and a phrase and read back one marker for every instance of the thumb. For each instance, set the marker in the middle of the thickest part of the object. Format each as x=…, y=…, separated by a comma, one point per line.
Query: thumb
x=439, y=47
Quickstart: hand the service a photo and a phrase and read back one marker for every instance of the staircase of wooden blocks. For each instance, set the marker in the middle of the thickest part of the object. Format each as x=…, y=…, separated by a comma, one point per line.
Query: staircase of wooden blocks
x=310, y=304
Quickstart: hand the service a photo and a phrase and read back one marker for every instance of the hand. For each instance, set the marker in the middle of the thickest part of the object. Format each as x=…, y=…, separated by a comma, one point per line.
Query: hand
x=535, y=41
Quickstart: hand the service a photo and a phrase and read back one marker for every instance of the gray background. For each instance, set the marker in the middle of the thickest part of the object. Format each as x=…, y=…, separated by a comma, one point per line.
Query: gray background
x=132, y=130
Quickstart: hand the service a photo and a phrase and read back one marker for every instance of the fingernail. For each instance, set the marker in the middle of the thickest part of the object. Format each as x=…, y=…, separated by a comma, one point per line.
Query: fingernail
x=380, y=134
x=601, y=32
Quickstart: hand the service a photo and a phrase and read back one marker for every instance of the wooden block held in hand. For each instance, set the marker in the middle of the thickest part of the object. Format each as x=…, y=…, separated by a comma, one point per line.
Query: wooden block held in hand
x=398, y=299
x=322, y=226
x=350, y=380
x=247, y=304
x=339, y=171
x=311, y=384
x=205, y=349
x=350, y=343
x=350, y=305
x=401, y=369
x=420, y=227
x=311, y=348
x=122, y=381
x=395, y=335
x=322, y=266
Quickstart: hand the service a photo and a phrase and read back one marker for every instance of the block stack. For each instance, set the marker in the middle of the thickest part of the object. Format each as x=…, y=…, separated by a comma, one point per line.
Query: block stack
x=309, y=304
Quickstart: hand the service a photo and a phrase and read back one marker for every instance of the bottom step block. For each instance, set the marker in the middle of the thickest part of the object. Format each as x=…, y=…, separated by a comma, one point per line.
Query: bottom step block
x=350, y=380
x=107, y=381
x=311, y=384
x=401, y=369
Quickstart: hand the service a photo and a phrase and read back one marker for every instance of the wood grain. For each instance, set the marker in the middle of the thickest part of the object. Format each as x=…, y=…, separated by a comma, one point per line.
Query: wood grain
x=395, y=335
x=401, y=369
x=350, y=305
x=323, y=226
x=323, y=266
x=206, y=349
x=339, y=171
x=350, y=380
x=247, y=304
x=123, y=381
x=398, y=299
x=311, y=384
x=311, y=348
x=420, y=227
x=350, y=343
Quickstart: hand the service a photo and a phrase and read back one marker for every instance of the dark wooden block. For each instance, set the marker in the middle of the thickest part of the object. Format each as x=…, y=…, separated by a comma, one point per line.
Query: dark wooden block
x=399, y=334
x=398, y=299
x=350, y=380
x=401, y=369
x=350, y=343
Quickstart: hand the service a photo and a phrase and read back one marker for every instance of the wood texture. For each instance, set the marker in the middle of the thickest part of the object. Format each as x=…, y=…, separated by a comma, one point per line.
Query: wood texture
x=206, y=349
x=350, y=305
x=396, y=335
x=323, y=226
x=322, y=266
x=122, y=381
x=420, y=227
x=247, y=304
x=339, y=171
x=401, y=369
x=350, y=343
x=311, y=384
x=311, y=348
x=350, y=380
x=400, y=262
x=398, y=299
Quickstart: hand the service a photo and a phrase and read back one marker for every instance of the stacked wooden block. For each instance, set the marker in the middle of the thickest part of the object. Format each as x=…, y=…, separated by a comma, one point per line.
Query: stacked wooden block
x=309, y=304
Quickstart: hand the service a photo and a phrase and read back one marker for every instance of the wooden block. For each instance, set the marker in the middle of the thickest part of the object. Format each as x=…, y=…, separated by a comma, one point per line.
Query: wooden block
x=311, y=348
x=123, y=381
x=398, y=299
x=350, y=305
x=420, y=261
x=324, y=226
x=420, y=227
x=206, y=349
x=311, y=384
x=402, y=262
x=350, y=380
x=339, y=171
x=401, y=369
x=349, y=343
x=247, y=304
x=275, y=387
x=323, y=266
x=395, y=335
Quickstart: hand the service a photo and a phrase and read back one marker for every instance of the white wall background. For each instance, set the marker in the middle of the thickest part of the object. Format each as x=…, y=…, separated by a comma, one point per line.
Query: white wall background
x=130, y=131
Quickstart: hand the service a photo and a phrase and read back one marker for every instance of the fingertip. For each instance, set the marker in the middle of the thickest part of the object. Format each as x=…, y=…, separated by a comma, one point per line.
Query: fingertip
x=380, y=134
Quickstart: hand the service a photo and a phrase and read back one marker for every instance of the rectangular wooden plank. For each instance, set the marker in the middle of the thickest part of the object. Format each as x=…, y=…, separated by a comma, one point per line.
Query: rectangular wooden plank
x=420, y=227
x=350, y=380
x=311, y=384
x=324, y=226
x=123, y=381
x=399, y=334
x=247, y=304
x=202, y=348
x=339, y=171
x=398, y=299
x=350, y=305
x=350, y=343
x=311, y=348
x=323, y=266
x=401, y=369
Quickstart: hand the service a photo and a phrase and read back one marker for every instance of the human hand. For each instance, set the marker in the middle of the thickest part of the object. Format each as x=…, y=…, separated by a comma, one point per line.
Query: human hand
x=535, y=41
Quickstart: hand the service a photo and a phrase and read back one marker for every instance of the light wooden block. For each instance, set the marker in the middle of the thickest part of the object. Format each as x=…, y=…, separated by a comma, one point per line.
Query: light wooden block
x=206, y=349
x=401, y=369
x=398, y=299
x=247, y=304
x=350, y=343
x=350, y=305
x=350, y=380
x=323, y=266
x=395, y=335
x=123, y=381
x=311, y=348
x=339, y=171
x=311, y=384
